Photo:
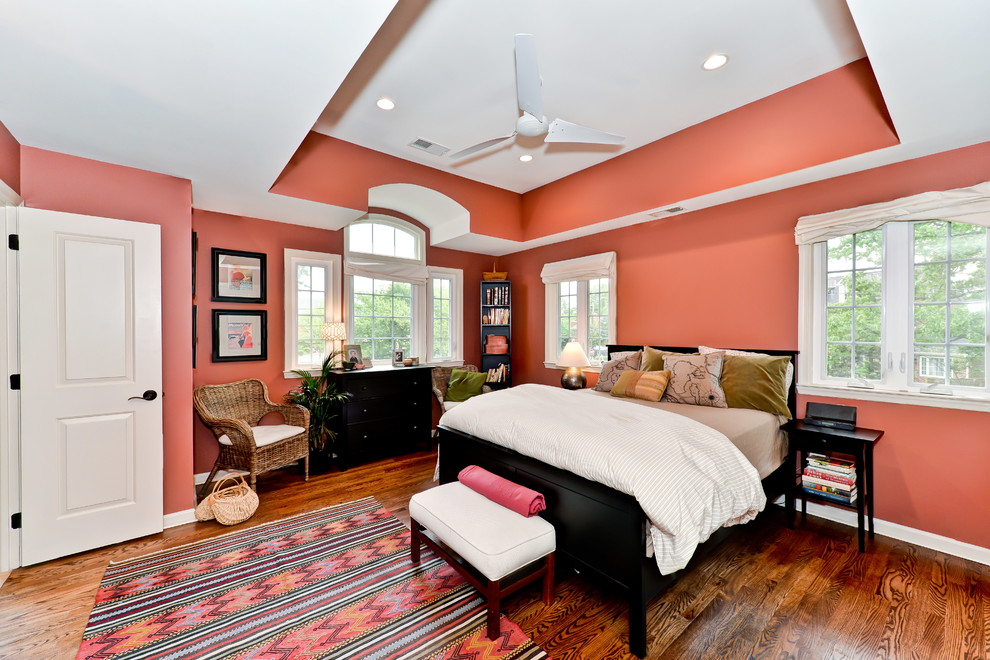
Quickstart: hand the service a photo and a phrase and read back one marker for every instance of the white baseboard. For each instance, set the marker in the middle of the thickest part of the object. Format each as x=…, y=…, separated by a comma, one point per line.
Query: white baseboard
x=900, y=532
x=179, y=518
x=200, y=478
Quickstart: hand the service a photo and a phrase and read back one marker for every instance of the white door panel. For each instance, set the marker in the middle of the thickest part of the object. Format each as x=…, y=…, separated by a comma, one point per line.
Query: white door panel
x=91, y=447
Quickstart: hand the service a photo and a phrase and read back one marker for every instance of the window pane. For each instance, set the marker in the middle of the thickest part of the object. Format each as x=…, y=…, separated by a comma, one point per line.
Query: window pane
x=405, y=245
x=303, y=278
x=929, y=241
x=868, y=321
x=360, y=239
x=867, y=361
x=840, y=253
x=968, y=366
x=869, y=249
x=968, y=241
x=363, y=284
x=968, y=280
x=362, y=327
x=839, y=361
x=318, y=303
x=383, y=239
x=930, y=283
x=840, y=323
x=318, y=275
x=967, y=323
x=868, y=286
x=929, y=323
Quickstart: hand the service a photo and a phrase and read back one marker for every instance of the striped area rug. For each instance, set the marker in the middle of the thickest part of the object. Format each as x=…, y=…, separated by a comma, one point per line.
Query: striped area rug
x=336, y=583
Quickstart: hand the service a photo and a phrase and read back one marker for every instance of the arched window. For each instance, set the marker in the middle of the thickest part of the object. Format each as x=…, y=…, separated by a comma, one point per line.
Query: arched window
x=393, y=301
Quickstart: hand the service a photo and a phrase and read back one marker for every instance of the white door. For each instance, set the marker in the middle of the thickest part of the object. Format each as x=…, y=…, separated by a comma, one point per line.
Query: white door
x=90, y=344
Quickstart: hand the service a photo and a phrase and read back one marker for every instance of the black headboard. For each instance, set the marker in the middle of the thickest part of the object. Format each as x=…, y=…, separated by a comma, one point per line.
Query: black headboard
x=791, y=392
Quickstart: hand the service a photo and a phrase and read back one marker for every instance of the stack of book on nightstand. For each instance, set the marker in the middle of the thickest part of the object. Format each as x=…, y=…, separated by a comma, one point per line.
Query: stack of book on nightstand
x=831, y=476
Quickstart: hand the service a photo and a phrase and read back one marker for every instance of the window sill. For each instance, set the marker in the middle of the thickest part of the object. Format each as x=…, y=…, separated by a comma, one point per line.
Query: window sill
x=956, y=401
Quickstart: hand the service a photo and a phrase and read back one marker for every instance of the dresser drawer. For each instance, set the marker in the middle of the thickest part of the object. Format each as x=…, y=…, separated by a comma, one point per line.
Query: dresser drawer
x=364, y=410
x=392, y=384
x=387, y=435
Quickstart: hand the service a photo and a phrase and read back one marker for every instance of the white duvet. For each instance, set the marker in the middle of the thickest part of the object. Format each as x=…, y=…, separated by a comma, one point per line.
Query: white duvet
x=689, y=479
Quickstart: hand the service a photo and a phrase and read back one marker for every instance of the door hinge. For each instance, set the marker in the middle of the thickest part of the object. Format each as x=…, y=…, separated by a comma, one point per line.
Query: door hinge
x=13, y=241
x=15, y=520
x=15, y=381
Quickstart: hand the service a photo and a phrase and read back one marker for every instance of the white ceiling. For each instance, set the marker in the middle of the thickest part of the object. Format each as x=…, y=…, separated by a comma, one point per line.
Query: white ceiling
x=223, y=92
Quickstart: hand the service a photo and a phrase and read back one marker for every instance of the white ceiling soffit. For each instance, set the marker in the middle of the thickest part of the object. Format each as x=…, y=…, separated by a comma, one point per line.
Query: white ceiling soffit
x=629, y=67
x=220, y=92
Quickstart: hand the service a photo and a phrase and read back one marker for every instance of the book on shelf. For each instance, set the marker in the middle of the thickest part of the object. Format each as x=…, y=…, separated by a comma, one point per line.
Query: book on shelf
x=833, y=477
x=828, y=488
x=497, y=316
x=834, y=461
x=499, y=374
x=497, y=295
x=832, y=497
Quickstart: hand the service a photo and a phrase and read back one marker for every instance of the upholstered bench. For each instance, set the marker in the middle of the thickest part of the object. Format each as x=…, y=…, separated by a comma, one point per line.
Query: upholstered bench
x=496, y=541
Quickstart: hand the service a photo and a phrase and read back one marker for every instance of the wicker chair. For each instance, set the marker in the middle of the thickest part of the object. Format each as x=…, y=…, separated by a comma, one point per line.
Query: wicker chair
x=232, y=411
x=441, y=379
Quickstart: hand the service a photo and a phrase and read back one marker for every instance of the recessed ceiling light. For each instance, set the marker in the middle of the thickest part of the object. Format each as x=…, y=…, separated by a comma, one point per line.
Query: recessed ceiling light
x=385, y=103
x=715, y=61
x=525, y=158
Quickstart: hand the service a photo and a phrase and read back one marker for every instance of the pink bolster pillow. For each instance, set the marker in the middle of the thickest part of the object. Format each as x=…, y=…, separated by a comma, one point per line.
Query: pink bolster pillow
x=522, y=500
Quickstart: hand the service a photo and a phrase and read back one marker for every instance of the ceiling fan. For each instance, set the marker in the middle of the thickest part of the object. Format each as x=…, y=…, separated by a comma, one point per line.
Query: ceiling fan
x=532, y=123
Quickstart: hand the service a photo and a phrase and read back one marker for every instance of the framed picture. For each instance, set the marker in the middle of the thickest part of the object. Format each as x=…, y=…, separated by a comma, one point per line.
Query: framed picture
x=239, y=335
x=352, y=353
x=397, y=357
x=195, y=332
x=238, y=276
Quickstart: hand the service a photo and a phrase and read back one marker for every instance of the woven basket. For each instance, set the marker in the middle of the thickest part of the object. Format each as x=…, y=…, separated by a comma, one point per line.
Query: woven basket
x=232, y=504
x=494, y=274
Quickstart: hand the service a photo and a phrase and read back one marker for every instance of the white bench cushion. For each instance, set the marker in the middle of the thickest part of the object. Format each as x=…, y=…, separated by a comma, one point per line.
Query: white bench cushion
x=269, y=433
x=450, y=405
x=490, y=537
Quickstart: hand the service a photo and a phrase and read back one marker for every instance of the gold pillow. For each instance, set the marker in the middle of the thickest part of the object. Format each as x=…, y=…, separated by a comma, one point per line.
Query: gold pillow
x=756, y=382
x=653, y=358
x=646, y=385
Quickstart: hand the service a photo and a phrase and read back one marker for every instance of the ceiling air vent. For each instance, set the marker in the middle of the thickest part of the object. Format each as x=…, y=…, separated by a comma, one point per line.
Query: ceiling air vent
x=429, y=147
x=659, y=213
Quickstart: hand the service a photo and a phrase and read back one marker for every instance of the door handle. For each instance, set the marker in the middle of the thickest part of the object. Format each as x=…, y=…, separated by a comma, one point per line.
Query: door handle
x=149, y=395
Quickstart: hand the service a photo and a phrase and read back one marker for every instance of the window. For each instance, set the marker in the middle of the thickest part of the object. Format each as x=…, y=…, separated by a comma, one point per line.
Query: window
x=580, y=295
x=395, y=301
x=312, y=294
x=902, y=308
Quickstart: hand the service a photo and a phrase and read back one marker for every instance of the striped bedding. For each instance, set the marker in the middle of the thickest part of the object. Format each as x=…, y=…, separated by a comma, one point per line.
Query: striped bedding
x=689, y=479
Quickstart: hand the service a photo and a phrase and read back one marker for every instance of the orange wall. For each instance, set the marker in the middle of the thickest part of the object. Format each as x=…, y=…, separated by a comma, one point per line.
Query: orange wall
x=77, y=185
x=10, y=159
x=254, y=235
x=727, y=276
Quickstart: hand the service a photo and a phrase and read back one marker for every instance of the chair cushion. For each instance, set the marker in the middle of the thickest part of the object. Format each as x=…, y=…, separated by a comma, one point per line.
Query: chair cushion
x=490, y=537
x=269, y=433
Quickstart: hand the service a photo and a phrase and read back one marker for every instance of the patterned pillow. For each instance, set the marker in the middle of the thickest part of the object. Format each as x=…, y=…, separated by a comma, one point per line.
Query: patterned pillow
x=646, y=385
x=694, y=379
x=612, y=370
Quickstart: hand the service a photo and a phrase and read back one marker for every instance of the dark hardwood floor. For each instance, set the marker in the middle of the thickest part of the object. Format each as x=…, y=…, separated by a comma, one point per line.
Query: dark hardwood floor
x=768, y=592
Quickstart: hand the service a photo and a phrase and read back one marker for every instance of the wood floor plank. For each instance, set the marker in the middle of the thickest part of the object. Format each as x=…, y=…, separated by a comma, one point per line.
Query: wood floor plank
x=767, y=592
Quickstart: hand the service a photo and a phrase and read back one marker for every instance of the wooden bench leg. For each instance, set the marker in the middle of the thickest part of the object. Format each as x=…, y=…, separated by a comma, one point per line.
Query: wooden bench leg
x=493, y=609
x=548, y=580
x=414, y=540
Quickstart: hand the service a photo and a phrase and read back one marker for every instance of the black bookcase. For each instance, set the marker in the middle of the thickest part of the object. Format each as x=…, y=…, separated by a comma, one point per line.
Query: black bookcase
x=496, y=322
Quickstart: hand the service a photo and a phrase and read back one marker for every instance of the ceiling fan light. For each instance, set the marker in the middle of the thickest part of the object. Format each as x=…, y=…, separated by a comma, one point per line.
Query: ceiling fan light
x=385, y=103
x=526, y=158
x=716, y=61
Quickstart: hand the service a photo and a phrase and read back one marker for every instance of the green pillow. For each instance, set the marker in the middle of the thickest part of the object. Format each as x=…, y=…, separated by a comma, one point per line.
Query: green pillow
x=653, y=358
x=464, y=385
x=756, y=382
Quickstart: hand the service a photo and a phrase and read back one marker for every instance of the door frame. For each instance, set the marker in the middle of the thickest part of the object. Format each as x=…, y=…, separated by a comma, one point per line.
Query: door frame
x=10, y=486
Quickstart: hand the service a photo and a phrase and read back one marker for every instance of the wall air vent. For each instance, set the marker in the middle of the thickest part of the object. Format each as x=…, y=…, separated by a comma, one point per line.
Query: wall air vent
x=429, y=147
x=659, y=213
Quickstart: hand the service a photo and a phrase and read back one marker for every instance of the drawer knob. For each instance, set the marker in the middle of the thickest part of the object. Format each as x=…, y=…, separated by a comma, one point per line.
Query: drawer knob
x=364, y=410
x=365, y=436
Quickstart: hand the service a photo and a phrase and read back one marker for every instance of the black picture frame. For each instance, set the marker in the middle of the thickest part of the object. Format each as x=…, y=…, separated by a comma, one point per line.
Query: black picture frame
x=231, y=270
x=195, y=333
x=243, y=325
x=195, y=255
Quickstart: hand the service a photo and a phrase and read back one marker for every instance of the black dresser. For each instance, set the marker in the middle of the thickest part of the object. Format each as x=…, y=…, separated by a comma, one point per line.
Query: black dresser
x=389, y=412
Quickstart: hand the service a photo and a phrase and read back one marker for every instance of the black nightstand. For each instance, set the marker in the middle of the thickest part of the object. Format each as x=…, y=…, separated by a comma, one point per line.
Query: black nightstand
x=804, y=438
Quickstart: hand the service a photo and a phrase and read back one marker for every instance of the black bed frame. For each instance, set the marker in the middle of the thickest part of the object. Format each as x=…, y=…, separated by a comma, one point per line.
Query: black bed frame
x=599, y=530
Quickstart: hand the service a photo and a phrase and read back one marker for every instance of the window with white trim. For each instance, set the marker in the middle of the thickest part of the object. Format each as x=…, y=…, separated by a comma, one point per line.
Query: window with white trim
x=903, y=307
x=580, y=306
x=390, y=294
x=312, y=298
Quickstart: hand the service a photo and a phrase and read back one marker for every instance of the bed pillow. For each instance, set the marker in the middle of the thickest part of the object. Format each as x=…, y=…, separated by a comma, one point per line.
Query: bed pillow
x=646, y=385
x=653, y=358
x=789, y=376
x=621, y=355
x=694, y=380
x=613, y=369
x=464, y=384
x=757, y=382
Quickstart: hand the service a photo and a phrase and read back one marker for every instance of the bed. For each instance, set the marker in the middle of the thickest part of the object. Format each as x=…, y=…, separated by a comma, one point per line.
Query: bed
x=600, y=530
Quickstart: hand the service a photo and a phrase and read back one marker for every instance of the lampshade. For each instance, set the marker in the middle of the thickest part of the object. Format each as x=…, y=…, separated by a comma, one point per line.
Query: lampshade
x=573, y=356
x=333, y=332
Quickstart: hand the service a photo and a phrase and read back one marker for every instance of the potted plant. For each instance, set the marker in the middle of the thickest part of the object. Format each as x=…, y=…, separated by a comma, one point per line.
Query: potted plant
x=323, y=399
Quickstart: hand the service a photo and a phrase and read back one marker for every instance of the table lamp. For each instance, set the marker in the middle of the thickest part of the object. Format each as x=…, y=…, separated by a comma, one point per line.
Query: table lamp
x=333, y=332
x=573, y=358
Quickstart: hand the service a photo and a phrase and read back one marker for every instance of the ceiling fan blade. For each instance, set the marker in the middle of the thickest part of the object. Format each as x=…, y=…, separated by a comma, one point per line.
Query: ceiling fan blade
x=565, y=131
x=528, y=90
x=481, y=145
